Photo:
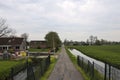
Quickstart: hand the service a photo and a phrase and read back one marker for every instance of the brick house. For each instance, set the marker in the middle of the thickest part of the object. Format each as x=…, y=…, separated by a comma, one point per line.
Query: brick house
x=38, y=44
x=15, y=43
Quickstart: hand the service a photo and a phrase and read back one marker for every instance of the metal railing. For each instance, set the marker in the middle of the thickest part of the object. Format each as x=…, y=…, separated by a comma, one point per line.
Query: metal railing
x=29, y=70
x=98, y=72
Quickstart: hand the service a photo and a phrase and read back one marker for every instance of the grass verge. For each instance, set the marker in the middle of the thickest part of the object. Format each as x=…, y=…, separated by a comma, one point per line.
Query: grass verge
x=74, y=60
x=38, y=50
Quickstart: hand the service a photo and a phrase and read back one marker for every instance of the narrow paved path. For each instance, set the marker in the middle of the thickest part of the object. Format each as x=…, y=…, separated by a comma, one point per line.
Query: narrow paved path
x=64, y=69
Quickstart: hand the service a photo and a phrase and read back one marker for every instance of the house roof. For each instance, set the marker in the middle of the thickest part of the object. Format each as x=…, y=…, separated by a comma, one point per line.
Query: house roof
x=11, y=41
x=37, y=41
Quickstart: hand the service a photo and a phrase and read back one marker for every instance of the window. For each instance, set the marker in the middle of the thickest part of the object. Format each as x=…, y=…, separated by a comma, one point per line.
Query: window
x=17, y=47
x=4, y=48
x=0, y=48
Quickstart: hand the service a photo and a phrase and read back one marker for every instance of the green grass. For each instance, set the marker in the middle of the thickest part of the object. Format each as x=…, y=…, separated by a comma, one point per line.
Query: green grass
x=38, y=50
x=49, y=70
x=74, y=60
x=107, y=53
x=5, y=67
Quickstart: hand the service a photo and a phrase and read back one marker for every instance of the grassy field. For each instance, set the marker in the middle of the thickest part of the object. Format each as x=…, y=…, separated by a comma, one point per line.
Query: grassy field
x=107, y=53
x=38, y=50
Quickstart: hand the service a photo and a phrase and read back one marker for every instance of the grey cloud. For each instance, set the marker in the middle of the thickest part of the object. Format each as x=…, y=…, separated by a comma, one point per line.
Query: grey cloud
x=94, y=16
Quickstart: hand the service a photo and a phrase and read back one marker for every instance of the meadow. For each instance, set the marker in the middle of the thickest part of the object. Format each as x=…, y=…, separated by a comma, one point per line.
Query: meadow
x=107, y=53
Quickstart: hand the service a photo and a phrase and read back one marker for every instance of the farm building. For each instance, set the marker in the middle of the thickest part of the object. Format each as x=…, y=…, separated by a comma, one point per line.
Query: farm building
x=38, y=44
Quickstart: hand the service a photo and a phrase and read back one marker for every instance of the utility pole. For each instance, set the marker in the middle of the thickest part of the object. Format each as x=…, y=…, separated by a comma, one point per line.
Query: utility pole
x=53, y=44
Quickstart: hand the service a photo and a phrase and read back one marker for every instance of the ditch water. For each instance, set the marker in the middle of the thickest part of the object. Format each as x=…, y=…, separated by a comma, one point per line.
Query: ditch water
x=100, y=66
x=76, y=53
x=21, y=76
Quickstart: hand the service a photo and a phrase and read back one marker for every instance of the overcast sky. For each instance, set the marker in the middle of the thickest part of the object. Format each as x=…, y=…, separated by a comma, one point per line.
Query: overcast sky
x=71, y=19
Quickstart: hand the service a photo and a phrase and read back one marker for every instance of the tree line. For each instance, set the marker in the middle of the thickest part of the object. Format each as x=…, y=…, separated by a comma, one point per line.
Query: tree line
x=92, y=40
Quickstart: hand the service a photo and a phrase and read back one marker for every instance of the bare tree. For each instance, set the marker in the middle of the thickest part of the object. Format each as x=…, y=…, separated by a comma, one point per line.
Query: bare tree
x=92, y=40
x=4, y=29
x=25, y=36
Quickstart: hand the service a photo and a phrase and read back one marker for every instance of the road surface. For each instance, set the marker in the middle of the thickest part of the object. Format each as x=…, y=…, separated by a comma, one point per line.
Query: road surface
x=64, y=69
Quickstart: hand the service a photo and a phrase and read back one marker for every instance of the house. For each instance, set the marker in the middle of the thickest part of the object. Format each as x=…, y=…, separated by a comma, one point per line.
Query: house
x=14, y=43
x=38, y=44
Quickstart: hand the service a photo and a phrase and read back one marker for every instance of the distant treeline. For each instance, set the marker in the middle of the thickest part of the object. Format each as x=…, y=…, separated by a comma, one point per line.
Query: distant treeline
x=92, y=40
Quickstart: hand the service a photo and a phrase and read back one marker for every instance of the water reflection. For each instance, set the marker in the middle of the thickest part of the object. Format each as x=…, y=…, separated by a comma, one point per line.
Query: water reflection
x=76, y=53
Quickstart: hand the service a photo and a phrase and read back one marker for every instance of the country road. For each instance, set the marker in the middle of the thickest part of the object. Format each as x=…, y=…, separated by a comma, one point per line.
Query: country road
x=64, y=69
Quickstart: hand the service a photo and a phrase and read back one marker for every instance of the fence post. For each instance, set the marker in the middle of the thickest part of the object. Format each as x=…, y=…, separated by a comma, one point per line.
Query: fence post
x=41, y=66
x=82, y=63
x=93, y=70
x=27, y=69
x=109, y=72
x=30, y=72
x=88, y=66
x=78, y=60
x=105, y=73
x=49, y=59
x=33, y=72
x=12, y=73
